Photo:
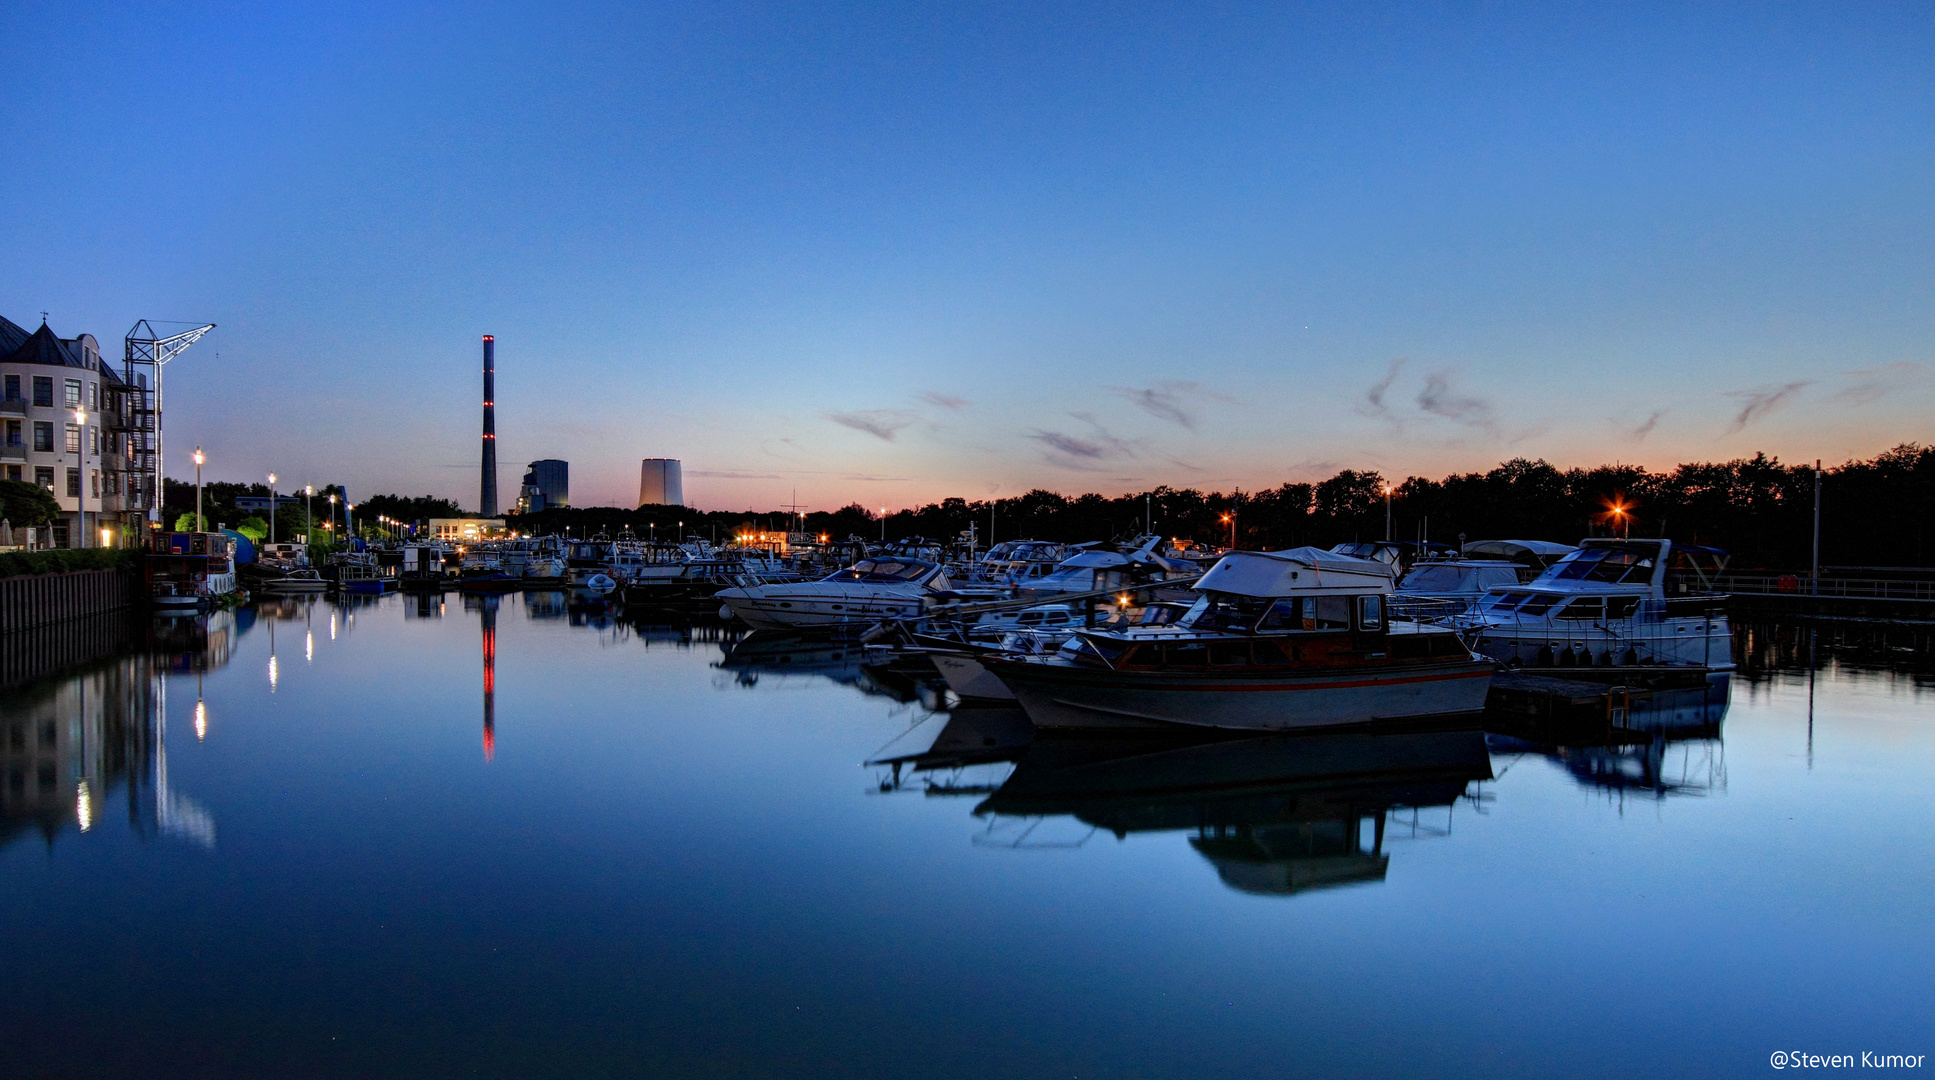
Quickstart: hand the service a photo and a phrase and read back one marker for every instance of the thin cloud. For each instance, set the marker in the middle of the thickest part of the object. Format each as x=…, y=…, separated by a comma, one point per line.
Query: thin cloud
x=729, y=474
x=1761, y=403
x=944, y=401
x=1374, y=397
x=1638, y=432
x=1083, y=451
x=1873, y=384
x=1171, y=401
x=1439, y=399
x=882, y=424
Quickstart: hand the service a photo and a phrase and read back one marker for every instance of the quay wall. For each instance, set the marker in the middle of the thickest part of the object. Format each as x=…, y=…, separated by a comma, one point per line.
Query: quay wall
x=65, y=646
x=34, y=600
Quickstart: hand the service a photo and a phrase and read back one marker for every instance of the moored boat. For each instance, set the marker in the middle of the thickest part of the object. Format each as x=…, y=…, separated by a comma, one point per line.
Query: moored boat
x=1278, y=641
x=189, y=570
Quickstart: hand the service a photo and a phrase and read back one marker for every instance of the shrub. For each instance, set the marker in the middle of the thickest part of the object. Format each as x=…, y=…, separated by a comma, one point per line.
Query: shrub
x=60, y=560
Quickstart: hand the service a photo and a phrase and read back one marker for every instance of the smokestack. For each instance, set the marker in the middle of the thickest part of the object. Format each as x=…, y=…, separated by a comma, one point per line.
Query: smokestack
x=487, y=495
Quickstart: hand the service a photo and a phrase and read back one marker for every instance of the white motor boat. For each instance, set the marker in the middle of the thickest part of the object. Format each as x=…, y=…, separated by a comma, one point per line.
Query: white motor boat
x=296, y=581
x=1612, y=604
x=891, y=587
x=1456, y=586
x=1101, y=568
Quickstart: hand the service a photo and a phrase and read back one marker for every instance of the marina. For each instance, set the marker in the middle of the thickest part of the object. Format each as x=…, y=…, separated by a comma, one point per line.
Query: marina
x=595, y=838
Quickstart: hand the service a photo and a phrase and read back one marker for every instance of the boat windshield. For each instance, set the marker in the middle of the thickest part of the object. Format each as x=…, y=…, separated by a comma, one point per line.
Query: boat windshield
x=1612, y=565
x=1438, y=579
x=884, y=570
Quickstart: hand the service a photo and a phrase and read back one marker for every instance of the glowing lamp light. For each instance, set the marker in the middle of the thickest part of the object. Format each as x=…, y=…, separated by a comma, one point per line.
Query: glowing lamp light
x=201, y=721
x=84, y=807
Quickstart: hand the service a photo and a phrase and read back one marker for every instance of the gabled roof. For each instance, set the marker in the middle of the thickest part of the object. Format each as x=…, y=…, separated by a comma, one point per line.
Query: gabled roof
x=11, y=336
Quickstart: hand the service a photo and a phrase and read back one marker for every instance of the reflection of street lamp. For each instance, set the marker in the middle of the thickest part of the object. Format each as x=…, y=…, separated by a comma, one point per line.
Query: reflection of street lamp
x=80, y=421
x=200, y=526
x=271, y=508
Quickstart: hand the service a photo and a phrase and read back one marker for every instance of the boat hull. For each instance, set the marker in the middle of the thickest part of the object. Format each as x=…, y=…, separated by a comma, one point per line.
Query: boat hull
x=1058, y=696
x=969, y=678
x=770, y=608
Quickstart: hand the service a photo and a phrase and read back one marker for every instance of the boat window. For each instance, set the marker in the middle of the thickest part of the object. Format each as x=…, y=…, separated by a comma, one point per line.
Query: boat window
x=1578, y=564
x=1224, y=612
x=1029, y=618
x=1332, y=612
x=1229, y=653
x=1510, y=600
x=1497, y=575
x=1622, y=566
x=884, y=570
x=1107, y=648
x=1621, y=607
x=1438, y=579
x=1285, y=614
x=1187, y=654
x=1538, y=603
x=1584, y=608
x=1370, y=613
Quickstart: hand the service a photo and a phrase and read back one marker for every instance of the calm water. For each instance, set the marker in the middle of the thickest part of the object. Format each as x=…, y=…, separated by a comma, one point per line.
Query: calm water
x=411, y=839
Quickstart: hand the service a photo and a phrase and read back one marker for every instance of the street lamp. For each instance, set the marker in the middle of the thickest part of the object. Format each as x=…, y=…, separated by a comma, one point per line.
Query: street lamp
x=1387, y=513
x=80, y=420
x=349, y=519
x=332, y=512
x=1230, y=520
x=308, y=493
x=271, y=508
x=883, y=524
x=1619, y=519
x=200, y=526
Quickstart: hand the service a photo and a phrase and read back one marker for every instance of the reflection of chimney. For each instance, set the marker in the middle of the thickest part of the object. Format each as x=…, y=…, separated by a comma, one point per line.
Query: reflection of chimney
x=488, y=616
x=487, y=495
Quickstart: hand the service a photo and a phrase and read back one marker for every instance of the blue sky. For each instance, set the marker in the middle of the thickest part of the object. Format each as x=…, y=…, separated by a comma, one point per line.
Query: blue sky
x=886, y=254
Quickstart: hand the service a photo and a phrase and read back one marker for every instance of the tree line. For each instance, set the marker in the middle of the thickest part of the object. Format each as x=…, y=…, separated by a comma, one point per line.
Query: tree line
x=1874, y=513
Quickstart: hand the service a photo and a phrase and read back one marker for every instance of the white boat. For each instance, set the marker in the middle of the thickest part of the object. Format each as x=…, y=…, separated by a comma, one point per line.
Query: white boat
x=1612, y=604
x=1278, y=641
x=1099, y=568
x=296, y=581
x=189, y=570
x=1018, y=562
x=1457, y=586
x=862, y=594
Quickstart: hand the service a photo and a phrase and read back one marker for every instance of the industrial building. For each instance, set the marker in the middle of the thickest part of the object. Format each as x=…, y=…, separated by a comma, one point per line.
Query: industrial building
x=659, y=483
x=547, y=486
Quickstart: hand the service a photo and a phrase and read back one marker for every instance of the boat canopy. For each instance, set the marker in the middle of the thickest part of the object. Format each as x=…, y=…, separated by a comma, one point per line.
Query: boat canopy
x=1521, y=551
x=1295, y=572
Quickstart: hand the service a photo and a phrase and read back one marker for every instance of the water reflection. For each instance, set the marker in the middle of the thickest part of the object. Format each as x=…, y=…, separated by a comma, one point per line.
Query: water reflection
x=769, y=655
x=1668, y=744
x=71, y=744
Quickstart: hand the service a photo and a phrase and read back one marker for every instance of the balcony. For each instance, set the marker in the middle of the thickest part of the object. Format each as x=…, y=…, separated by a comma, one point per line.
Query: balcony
x=13, y=407
x=13, y=454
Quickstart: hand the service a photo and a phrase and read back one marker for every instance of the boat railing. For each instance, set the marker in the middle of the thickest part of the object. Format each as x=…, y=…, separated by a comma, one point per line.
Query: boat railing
x=1425, y=609
x=1864, y=588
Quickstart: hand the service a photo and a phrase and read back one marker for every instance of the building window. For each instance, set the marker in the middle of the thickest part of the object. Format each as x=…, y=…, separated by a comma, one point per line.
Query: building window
x=94, y=396
x=44, y=391
x=13, y=388
x=60, y=534
x=73, y=438
x=73, y=483
x=13, y=433
x=96, y=485
x=13, y=472
x=44, y=439
x=93, y=440
x=73, y=397
x=44, y=477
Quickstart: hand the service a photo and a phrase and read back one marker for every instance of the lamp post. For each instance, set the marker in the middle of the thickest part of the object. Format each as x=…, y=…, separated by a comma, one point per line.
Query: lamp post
x=200, y=525
x=271, y=508
x=332, y=511
x=883, y=524
x=1230, y=520
x=349, y=519
x=308, y=494
x=80, y=421
x=1387, y=513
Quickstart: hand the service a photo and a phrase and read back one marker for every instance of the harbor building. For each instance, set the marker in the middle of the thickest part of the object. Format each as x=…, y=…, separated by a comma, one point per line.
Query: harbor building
x=466, y=530
x=547, y=486
x=659, y=483
x=67, y=423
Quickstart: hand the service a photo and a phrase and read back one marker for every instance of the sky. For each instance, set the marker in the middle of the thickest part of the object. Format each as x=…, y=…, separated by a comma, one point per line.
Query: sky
x=887, y=254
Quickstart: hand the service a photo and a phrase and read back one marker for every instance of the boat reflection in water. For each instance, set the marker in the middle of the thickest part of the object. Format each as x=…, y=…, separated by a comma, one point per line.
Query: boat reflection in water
x=1274, y=814
x=1667, y=744
x=767, y=654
